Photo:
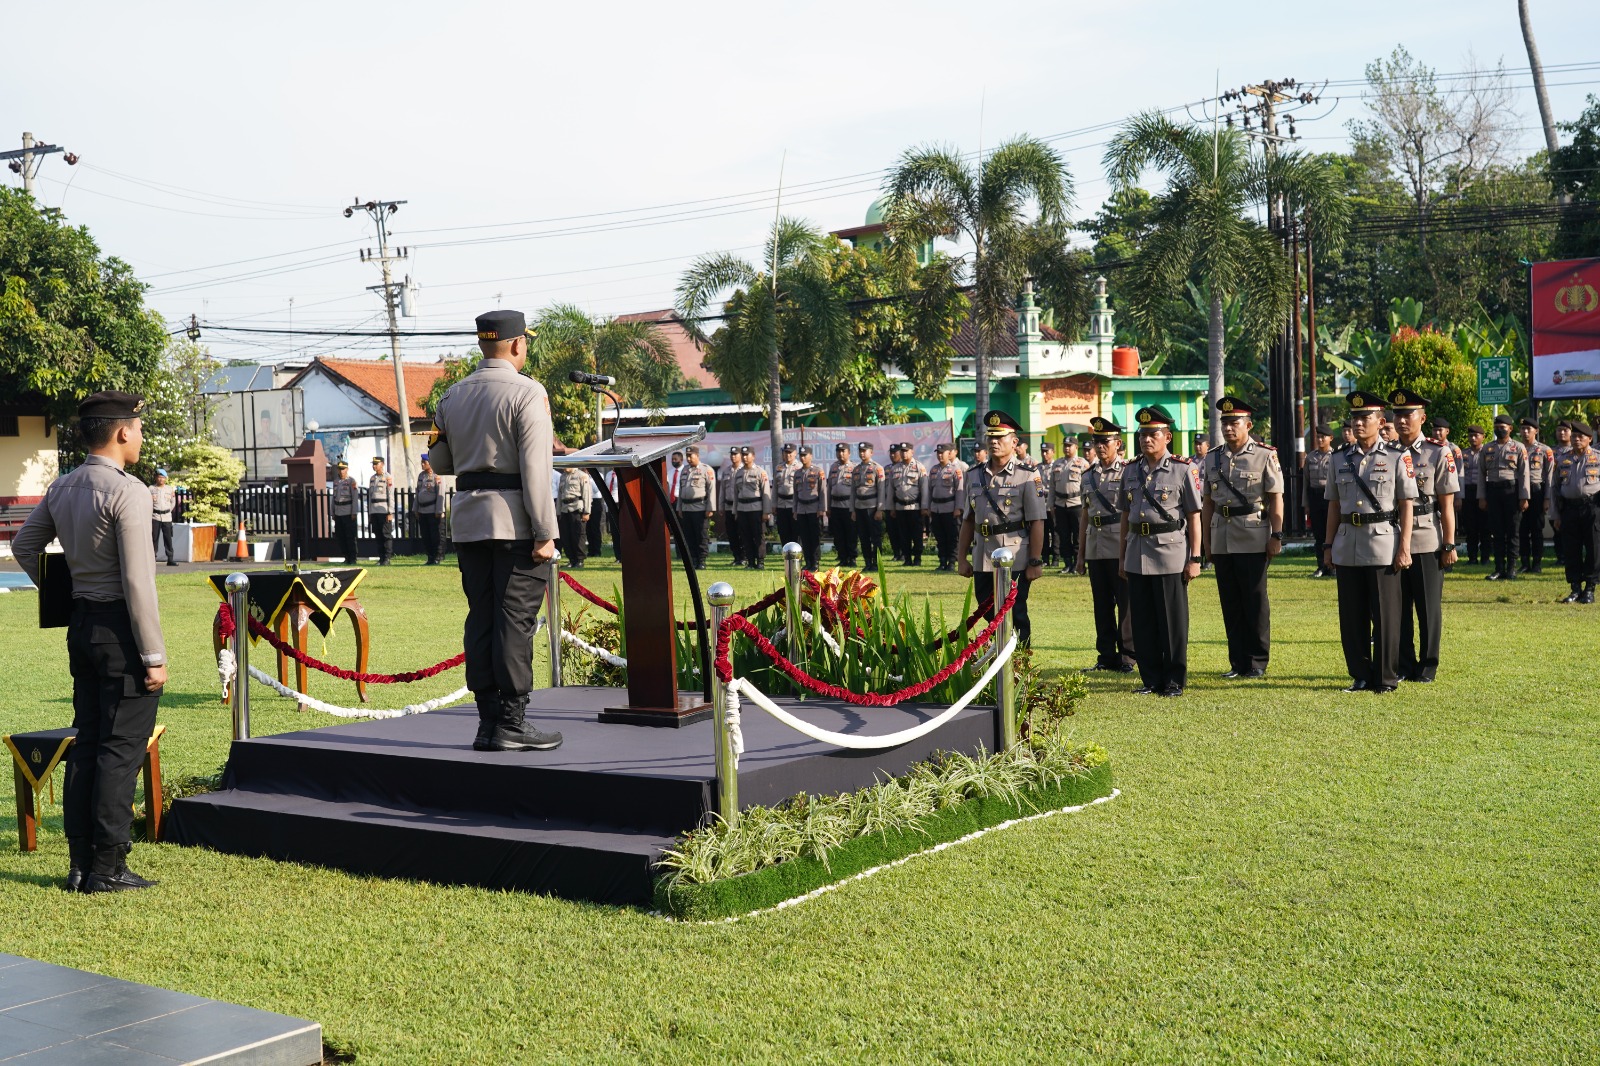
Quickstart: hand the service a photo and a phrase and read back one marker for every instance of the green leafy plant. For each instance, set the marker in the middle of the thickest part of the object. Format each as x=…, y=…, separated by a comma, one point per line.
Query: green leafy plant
x=603, y=631
x=210, y=473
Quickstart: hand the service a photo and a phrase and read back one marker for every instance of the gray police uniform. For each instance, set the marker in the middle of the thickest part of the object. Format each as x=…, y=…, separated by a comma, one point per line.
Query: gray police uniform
x=1367, y=487
x=1100, y=556
x=1421, y=584
x=1473, y=524
x=908, y=498
x=783, y=500
x=946, y=503
x=1314, y=496
x=1002, y=505
x=841, y=515
x=868, y=496
x=1503, y=484
x=428, y=503
x=574, y=498
x=1237, y=484
x=380, y=491
x=1577, y=482
x=101, y=513
x=752, y=502
x=810, y=504
x=1066, y=499
x=1156, y=503
x=1541, y=472
x=697, y=495
x=343, y=495
x=163, y=499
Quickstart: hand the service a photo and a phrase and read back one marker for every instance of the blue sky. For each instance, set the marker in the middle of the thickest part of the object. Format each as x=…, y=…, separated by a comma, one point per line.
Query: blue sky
x=574, y=136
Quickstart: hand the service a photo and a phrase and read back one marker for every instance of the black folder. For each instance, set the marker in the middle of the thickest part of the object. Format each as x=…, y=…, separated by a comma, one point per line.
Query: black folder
x=55, y=591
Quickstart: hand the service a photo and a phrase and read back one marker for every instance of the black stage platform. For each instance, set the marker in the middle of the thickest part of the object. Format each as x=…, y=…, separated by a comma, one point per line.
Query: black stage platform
x=409, y=798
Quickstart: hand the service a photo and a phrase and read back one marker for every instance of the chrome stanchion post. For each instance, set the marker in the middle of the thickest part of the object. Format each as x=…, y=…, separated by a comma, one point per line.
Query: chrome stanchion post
x=238, y=588
x=552, y=615
x=721, y=599
x=1005, y=688
x=794, y=561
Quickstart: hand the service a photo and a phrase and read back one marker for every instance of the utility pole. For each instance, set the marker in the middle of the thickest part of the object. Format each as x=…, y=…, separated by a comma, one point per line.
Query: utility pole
x=25, y=161
x=380, y=212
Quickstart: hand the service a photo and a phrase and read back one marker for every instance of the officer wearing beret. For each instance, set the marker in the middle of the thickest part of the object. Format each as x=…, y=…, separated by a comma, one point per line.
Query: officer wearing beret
x=1541, y=472
x=908, y=502
x=1433, y=537
x=1439, y=433
x=1578, y=488
x=697, y=495
x=1503, y=494
x=1100, y=550
x=841, y=513
x=725, y=504
x=1370, y=497
x=343, y=496
x=810, y=507
x=380, y=495
x=494, y=434
x=1473, y=524
x=1242, y=517
x=946, y=502
x=115, y=651
x=1161, y=552
x=752, y=506
x=1562, y=447
x=574, y=498
x=1047, y=462
x=1313, y=494
x=783, y=495
x=428, y=504
x=869, y=496
x=1006, y=507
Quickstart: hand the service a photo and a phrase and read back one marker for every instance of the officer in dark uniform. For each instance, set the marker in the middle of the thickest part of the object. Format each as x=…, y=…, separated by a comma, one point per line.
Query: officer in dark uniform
x=115, y=650
x=841, y=515
x=494, y=434
x=1007, y=503
x=343, y=496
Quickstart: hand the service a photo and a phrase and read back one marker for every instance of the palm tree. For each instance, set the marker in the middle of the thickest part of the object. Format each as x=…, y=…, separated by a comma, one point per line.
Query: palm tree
x=637, y=354
x=783, y=320
x=934, y=192
x=1200, y=227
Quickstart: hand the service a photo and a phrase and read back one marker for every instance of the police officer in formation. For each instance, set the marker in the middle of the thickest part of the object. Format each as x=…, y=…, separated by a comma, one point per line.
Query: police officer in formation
x=1370, y=496
x=428, y=504
x=1313, y=493
x=574, y=499
x=841, y=513
x=1541, y=473
x=1161, y=552
x=1433, y=535
x=946, y=502
x=1066, y=500
x=380, y=494
x=1472, y=505
x=1563, y=446
x=752, y=505
x=343, y=496
x=886, y=517
x=1052, y=549
x=1577, y=482
x=494, y=433
x=1440, y=435
x=1007, y=503
x=1100, y=550
x=163, y=500
x=115, y=650
x=1242, y=515
x=697, y=495
x=725, y=505
x=783, y=495
x=1503, y=493
x=810, y=507
x=908, y=503
x=868, y=497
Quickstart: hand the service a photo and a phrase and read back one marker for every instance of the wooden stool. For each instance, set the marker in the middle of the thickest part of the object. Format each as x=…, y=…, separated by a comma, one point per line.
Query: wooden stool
x=34, y=758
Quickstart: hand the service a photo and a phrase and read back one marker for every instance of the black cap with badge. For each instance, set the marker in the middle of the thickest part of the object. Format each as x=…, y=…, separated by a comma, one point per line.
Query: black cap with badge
x=1362, y=400
x=1104, y=427
x=1153, y=417
x=110, y=405
x=1503, y=420
x=1405, y=400
x=502, y=325
x=1233, y=407
x=999, y=424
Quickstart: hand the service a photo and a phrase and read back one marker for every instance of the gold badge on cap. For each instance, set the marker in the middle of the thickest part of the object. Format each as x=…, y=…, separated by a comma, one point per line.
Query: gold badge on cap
x=1144, y=417
x=994, y=418
x=1226, y=406
x=1397, y=396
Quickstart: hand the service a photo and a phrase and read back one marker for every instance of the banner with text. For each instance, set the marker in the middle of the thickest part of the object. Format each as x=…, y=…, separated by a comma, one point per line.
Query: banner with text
x=1566, y=329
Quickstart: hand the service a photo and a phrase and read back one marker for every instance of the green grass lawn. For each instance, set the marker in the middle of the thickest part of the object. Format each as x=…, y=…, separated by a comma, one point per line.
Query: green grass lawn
x=1290, y=873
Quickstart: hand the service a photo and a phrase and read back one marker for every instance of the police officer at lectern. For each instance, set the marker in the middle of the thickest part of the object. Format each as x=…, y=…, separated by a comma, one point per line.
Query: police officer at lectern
x=115, y=650
x=493, y=432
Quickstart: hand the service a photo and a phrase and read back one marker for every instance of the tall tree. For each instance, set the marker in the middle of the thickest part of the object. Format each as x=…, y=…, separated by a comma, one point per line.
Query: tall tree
x=1547, y=118
x=784, y=319
x=1201, y=228
x=1011, y=207
x=1575, y=174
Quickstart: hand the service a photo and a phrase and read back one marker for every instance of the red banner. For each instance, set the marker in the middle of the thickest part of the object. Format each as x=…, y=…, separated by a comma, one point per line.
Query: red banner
x=1565, y=314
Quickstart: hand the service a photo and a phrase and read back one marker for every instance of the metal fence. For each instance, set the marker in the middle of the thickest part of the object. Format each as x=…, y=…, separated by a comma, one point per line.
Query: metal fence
x=304, y=517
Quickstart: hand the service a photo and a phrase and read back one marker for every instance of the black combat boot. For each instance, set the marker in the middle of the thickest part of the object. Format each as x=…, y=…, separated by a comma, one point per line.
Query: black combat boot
x=1588, y=594
x=110, y=873
x=513, y=733
x=1572, y=597
x=80, y=856
x=488, y=718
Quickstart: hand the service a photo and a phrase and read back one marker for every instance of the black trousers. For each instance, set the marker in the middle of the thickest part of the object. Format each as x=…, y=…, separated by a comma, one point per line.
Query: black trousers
x=1472, y=526
x=891, y=526
x=983, y=589
x=429, y=525
x=1580, y=528
x=946, y=534
x=1317, y=509
x=1113, y=623
x=114, y=716
x=783, y=519
x=1246, y=614
x=570, y=529
x=1421, y=597
x=752, y=537
x=344, y=531
x=730, y=533
x=694, y=536
x=595, y=532
x=910, y=524
x=1159, y=604
x=161, y=532
x=842, y=524
x=379, y=524
x=808, y=528
x=1503, y=514
x=1531, y=530
x=1558, y=540
x=504, y=591
x=869, y=537
x=1067, y=519
x=1369, y=623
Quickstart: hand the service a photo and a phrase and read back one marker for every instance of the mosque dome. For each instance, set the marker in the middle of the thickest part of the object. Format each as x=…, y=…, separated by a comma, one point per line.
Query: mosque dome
x=876, y=213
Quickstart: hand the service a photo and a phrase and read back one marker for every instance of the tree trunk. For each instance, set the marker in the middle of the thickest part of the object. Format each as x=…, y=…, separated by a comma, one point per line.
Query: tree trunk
x=1545, y=117
x=980, y=361
x=775, y=403
x=1214, y=357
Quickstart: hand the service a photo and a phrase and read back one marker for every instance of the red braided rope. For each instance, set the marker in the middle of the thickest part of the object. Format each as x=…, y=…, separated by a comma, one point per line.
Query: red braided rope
x=228, y=628
x=593, y=597
x=724, y=665
x=775, y=597
x=833, y=614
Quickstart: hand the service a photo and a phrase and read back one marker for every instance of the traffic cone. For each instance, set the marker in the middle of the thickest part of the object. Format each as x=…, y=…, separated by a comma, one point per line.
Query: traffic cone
x=241, y=550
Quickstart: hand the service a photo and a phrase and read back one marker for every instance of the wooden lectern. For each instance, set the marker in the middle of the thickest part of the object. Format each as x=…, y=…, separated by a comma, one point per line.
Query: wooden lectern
x=644, y=548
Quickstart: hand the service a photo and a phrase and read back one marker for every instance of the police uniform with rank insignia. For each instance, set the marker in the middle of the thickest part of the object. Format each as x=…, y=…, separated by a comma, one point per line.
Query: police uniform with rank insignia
x=1160, y=536
x=868, y=499
x=1503, y=494
x=725, y=502
x=115, y=650
x=1577, y=485
x=1432, y=544
x=841, y=516
x=697, y=495
x=1541, y=471
x=380, y=494
x=1370, y=495
x=574, y=497
x=783, y=495
x=1562, y=446
x=163, y=499
x=494, y=434
x=810, y=505
x=908, y=499
x=1007, y=505
x=1100, y=551
x=1243, y=501
x=343, y=496
x=1319, y=461
x=1066, y=500
x=1440, y=435
x=946, y=502
x=1473, y=524
x=428, y=503
x=752, y=504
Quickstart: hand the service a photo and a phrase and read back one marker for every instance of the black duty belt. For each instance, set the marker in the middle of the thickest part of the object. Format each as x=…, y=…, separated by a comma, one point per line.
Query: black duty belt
x=785, y=495
x=942, y=499
x=1421, y=507
x=749, y=499
x=1237, y=510
x=88, y=606
x=1150, y=529
x=987, y=528
x=158, y=514
x=1099, y=521
x=1359, y=519
x=488, y=479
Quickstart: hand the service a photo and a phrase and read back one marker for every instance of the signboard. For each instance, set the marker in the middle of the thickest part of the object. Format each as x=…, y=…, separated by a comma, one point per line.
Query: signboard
x=1565, y=314
x=1494, y=380
x=1069, y=401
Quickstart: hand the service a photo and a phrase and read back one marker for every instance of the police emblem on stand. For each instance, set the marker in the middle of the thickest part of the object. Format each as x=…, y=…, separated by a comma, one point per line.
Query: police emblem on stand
x=328, y=584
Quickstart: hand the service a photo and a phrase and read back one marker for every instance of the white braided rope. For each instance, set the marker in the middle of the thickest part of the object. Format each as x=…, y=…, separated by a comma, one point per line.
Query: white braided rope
x=889, y=740
x=227, y=669
x=827, y=638
x=354, y=712
x=731, y=717
x=599, y=653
